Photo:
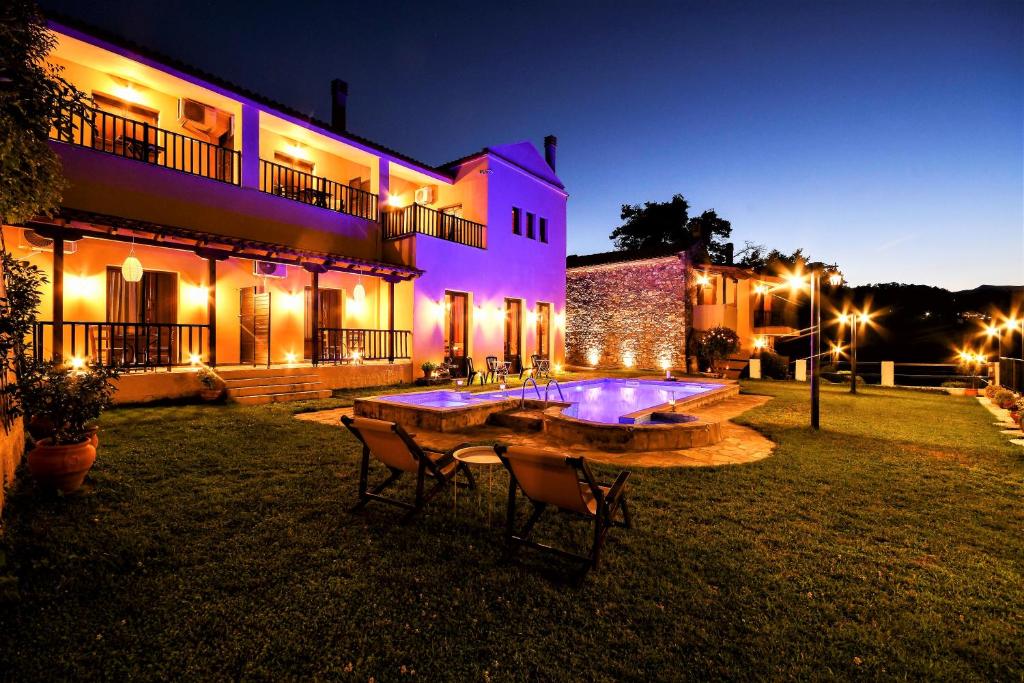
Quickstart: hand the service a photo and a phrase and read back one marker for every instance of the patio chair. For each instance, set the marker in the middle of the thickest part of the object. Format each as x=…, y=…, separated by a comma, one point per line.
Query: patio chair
x=389, y=443
x=540, y=366
x=471, y=372
x=565, y=482
x=495, y=370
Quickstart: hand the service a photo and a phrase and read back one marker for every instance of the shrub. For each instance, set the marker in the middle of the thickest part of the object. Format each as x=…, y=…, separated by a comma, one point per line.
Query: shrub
x=990, y=391
x=66, y=398
x=955, y=384
x=773, y=365
x=716, y=344
x=208, y=377
x=428, y=366
x=1004, y=398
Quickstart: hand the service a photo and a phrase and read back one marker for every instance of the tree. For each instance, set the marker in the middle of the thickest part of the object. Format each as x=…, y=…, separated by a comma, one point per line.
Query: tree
x=34, y=98
x=758, y=258
x=669, y=225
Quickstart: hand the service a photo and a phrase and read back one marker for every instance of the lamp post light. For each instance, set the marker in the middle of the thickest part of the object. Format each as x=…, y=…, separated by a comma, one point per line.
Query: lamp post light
x=834, y=278
x=995, y=331
x=854, y=320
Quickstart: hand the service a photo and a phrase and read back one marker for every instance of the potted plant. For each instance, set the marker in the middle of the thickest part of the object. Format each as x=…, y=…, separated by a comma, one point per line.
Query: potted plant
x=69, y=401
x=428, y=368
x=1017, y=412
x=212, y=384
x=1004, y=398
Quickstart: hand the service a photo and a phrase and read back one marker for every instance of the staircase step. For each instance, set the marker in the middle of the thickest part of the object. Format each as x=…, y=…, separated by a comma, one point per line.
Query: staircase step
x=260, y=399
x=528, y=420
x=250, y=373
x=258, y=389
x=268, y=380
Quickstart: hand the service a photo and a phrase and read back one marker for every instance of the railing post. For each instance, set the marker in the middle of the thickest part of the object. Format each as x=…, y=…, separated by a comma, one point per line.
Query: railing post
x=211, y=308
x=316, y=317
x=58, y=297
x=391, y=320
x=250, y=161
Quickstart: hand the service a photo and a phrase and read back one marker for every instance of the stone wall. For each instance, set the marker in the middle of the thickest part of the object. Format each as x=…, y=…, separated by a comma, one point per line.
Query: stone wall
x=12, y=446
x=629, y=314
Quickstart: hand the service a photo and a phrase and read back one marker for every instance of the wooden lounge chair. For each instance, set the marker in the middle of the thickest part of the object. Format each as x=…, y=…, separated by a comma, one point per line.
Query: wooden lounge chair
x=567, y=483
x=398, y=451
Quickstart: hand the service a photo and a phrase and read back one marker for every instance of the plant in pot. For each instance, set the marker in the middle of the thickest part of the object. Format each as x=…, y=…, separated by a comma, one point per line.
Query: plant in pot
x=69, y=401
x=1004, y=398
x=212, y=384
x=1017, y=412
x=716, y=344
x=428, y=368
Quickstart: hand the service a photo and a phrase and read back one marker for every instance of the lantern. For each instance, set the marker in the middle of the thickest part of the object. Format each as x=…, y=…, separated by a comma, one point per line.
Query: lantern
x=131, y=269
x=359, y=293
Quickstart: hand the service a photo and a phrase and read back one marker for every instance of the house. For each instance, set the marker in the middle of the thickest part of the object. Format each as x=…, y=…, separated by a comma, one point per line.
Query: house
x=208, y=224
x=632, y=308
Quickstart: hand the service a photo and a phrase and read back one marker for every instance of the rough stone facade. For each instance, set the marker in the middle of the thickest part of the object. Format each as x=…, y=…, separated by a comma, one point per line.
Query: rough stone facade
x=628, y=314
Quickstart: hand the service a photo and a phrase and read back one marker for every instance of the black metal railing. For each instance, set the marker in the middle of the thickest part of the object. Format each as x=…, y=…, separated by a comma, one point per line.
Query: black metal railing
x=124, y=137
x=128, y=346
x=316, y=190
x=426, y=221
x=345, y=345
x=774, y=318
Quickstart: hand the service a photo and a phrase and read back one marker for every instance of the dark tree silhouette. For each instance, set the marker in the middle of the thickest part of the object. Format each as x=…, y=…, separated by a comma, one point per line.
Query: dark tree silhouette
x=654, y=225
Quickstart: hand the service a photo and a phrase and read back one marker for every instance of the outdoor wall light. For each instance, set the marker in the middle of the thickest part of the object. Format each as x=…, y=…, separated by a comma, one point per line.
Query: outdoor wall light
x=703, y=280
x=197, y=295
x=126, y=90
x=593, y=356
x=760, y=343
x=290, y=357
x=131, y=269
x=195, y=359
x=77, y=363
x=395, y=200
x=629, y=360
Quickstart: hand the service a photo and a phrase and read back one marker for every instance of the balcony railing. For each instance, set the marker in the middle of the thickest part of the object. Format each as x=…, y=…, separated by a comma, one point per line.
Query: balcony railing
x=425, y=221
x=344, y=345
x=144, y=142
x=128, y=346
x=316, y=190
x=774, y=318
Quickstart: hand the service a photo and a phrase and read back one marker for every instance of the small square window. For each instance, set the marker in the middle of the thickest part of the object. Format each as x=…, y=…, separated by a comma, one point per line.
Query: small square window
x=543, y=225
x=517, y=224
x=530, y=219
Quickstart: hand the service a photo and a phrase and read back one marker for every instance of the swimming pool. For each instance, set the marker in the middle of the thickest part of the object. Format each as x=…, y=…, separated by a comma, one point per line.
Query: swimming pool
x=604, y=401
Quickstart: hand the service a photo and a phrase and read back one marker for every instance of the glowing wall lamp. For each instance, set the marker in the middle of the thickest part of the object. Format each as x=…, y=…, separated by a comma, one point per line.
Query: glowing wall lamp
x=197, y=295
x=131, y=269
x=703, y=280
x=593, y=356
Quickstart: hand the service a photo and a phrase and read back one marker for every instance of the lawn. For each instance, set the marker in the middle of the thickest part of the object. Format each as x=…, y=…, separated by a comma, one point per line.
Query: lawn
x=214, y=542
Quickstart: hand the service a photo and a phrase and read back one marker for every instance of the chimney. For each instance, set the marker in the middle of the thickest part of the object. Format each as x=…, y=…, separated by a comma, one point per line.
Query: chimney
x=550, y=150
x=728, y=253
x=339, y=99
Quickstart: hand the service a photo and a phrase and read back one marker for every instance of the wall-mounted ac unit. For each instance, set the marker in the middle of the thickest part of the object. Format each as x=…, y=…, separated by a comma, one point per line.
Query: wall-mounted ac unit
x=268, y=269
x=37, y=243
x=426, y=194
x=196, y=116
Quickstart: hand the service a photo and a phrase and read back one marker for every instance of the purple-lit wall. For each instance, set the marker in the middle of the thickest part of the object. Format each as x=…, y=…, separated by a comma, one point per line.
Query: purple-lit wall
x=511, y=266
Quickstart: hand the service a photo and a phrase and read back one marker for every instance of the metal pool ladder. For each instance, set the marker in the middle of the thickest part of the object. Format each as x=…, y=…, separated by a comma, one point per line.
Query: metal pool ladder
x=522, y=401
x=546, y=388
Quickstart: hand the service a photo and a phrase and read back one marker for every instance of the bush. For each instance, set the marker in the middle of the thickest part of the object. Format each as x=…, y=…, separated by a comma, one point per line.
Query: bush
x=716, y=344
x=1004, y=398
x=990, y=391
x=955, y=384
x=773, y=366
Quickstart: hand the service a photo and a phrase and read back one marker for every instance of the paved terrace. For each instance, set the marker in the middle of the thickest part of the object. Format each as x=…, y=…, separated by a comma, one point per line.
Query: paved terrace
x=739, y=444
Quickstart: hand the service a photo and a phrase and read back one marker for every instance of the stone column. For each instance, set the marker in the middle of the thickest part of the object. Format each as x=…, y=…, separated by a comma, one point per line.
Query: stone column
x=888, y=373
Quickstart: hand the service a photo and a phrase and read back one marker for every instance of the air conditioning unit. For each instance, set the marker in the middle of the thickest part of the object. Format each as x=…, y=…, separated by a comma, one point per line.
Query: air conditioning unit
x=196, y=116
x=37, y=243
x=268, y=269
x=426, y=194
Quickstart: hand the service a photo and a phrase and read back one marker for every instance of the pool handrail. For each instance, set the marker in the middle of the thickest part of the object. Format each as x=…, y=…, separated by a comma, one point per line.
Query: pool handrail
x=548, y=387
x=522, y=401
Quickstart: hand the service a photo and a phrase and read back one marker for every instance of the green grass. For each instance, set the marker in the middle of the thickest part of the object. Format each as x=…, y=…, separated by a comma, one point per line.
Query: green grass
x=214, y=543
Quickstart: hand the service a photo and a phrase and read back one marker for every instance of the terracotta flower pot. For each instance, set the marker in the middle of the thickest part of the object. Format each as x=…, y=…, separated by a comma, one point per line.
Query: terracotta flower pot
x=970, y=392
x=210, y=394
x=62, y=467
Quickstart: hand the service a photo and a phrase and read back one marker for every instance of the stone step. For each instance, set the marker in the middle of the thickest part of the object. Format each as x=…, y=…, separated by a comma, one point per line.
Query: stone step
x=268, y=380
x=258, y=389
x=526, y=420
x=249, y=373
x=261, y=399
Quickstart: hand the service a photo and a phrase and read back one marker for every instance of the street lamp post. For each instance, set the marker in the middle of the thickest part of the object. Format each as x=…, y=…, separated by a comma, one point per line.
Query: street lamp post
x=835, y=279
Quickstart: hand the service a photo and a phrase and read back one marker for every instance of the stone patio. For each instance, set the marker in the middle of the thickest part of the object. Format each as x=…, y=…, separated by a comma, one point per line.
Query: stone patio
x=739, y=444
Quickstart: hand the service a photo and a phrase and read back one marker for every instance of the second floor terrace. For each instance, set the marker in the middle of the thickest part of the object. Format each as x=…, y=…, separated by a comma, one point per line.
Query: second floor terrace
x=146, y=112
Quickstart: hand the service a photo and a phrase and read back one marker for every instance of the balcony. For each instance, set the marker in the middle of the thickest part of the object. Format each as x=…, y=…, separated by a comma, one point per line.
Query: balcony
x=126, y=346
x=315, y=190
x=344, y=345
x=141, y=141
x=775, y=318
x=425, y=221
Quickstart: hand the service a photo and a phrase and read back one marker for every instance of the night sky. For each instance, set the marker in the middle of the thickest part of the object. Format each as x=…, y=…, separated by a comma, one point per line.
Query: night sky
x=887, y=136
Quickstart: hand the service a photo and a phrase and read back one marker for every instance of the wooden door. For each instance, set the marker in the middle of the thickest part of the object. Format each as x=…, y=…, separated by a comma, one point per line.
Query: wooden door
x=513, y=332
x=254, y=326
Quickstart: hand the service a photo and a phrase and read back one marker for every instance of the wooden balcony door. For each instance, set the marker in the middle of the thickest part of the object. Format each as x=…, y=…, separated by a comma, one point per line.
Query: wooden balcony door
x=514, y=333
x=329, y=317
x=254, y=326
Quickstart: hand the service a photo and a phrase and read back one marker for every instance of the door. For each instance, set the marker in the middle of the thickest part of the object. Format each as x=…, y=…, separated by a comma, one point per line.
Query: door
x=456, y=322
x=328, y=323
x=513, y=333
x=544, y=330
x=254, y=326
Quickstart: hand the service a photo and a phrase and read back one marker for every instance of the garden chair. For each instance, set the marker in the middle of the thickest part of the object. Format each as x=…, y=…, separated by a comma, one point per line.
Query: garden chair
x=495, y=371
x=389, y=443
x=541, y=366
x=565, y=482
x=471, y=372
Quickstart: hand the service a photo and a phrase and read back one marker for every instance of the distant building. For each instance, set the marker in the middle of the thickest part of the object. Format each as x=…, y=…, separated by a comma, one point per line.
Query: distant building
x=631, y=309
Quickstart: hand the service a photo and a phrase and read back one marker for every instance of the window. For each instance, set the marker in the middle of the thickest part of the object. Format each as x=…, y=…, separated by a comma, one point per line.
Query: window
x=130, y=132
x=543, y=225
x=707, y=294
x=513, y=332
x=543, y=330
x=530, y=220
x=153, y=299
x=517, y=227
x=456, y=312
